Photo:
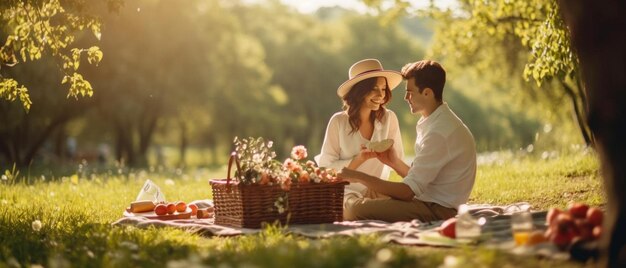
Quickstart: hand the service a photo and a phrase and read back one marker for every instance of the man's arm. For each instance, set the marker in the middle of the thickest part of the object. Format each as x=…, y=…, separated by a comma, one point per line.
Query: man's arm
x=390, y=158
x=396, y=190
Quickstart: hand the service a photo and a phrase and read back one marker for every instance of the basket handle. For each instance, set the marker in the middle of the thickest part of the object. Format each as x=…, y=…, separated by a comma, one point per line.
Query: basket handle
x=233, y=155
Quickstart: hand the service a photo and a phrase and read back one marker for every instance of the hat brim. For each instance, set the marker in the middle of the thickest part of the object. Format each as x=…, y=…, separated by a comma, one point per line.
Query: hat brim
x=393, y=80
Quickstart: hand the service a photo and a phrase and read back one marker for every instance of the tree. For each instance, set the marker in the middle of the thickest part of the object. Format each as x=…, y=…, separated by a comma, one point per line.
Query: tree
x=23, y=135
x=598, y=32
x=33, y=29
x=485, y=34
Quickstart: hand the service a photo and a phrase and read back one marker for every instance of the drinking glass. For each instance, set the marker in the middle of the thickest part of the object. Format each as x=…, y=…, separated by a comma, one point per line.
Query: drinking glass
x=522, y=227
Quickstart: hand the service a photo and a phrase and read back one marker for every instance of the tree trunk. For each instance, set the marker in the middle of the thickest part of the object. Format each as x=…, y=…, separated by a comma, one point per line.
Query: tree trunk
x=183, y=143
x=145, y=138
x=125, y=152
x=43, y=136
x=579, y=113
x=598, y=33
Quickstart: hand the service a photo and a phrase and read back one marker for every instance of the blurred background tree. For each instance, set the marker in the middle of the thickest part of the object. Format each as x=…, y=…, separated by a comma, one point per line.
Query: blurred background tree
x=179, y=81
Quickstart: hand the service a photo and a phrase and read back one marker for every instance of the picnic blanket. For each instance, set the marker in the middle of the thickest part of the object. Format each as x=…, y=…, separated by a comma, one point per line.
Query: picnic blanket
x=495, y=233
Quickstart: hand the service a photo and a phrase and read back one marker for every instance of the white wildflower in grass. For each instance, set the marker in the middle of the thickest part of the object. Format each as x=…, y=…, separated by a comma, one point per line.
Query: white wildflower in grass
x=384, y=255
x=36, y=225
x=169, y=182
x=4, y=177
x=452, y=262
x=257, y=159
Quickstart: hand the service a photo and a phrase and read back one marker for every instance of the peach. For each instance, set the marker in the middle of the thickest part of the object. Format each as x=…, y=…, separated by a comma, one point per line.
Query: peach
x=181, y=206
x=160, y=209
x=171, y=208
x=536, y=237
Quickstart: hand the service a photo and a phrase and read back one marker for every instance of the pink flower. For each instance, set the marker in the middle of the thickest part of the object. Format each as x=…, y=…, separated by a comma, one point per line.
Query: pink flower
x=297, y=168
x=304, y=177
x=286, y=185
x=265, y=178
x=289, y=164
x=298, y=152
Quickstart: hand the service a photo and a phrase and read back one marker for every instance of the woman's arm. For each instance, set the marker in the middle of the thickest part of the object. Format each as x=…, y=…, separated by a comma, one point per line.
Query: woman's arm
x=331, y=148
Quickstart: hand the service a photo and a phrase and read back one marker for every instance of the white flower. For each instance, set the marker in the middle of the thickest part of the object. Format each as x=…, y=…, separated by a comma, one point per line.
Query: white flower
x=169, y=182
x=257, y=158
x=4, y=177
x=36, y=225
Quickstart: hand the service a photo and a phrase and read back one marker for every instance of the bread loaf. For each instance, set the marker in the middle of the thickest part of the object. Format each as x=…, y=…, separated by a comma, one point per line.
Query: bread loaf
x=142, y=206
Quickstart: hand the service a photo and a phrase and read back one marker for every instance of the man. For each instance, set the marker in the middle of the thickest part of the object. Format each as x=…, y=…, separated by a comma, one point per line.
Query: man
x=444, y=169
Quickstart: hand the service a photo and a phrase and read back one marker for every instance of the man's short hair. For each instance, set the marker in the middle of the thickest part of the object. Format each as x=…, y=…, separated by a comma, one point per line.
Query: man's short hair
x=427, y=74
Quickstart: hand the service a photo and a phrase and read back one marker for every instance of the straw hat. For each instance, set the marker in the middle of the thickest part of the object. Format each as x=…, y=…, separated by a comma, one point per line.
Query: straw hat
x=365, y=69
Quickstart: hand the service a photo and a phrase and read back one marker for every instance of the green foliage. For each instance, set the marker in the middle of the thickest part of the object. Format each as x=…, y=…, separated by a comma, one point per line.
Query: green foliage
x=10, y=90
x=536, y=24
x=505, y=41
x=74, y=214
x=35, y=29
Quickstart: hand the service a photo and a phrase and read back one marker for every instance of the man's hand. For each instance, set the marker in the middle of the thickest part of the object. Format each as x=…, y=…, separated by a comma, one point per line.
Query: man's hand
x=388, y=157
x=395, y=190
x=349, y=175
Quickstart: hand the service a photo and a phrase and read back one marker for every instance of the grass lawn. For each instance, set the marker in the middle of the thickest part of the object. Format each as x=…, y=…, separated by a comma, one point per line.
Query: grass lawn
x=76, y=213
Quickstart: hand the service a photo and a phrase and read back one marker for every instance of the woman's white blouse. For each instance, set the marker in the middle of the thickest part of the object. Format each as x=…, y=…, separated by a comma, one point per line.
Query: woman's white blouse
x=340, y=146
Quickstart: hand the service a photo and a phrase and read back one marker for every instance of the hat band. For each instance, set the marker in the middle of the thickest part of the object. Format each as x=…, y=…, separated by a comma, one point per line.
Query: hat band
x=369, y=71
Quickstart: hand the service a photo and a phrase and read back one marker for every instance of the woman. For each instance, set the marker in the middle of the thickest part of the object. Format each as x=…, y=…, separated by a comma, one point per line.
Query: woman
x=364, y=118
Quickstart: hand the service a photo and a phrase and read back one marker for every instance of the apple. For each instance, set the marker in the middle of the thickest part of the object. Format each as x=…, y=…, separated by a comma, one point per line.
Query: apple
x=448, y=228
x=564, y=222
x=552, y=214
x=194, y=209
x=562, y=239
x=160, y=209
x=584, y=229
x=181, y=206
x=578, y=210
x=595, y=216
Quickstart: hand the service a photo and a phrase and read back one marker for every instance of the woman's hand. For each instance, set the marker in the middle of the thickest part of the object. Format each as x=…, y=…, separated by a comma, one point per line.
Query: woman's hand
x=364, y=155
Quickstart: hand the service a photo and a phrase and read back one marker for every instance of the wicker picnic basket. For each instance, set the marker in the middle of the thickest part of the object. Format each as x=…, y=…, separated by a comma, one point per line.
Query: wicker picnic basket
x=248, y=206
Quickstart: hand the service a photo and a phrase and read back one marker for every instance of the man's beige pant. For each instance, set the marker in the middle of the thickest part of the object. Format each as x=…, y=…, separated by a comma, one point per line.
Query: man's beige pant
x=376, y=206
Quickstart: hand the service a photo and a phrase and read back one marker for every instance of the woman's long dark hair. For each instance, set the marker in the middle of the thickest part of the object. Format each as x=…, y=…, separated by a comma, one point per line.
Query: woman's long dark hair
x=353, y=101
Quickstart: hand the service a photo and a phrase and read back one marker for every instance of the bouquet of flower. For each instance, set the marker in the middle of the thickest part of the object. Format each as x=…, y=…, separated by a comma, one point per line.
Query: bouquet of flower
x=259, y=166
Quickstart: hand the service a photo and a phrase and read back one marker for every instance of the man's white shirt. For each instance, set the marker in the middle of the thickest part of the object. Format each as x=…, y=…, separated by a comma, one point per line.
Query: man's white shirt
x=444, y=168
